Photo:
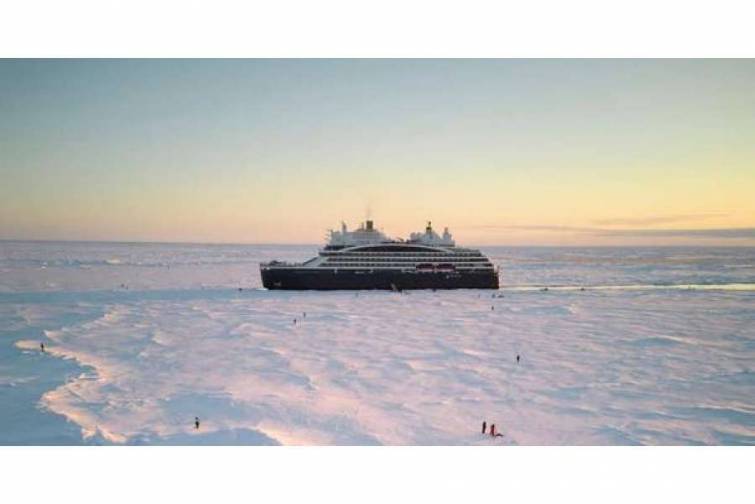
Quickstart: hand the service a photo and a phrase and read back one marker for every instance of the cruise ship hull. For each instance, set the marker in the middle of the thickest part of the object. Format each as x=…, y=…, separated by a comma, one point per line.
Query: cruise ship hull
x=331, y=279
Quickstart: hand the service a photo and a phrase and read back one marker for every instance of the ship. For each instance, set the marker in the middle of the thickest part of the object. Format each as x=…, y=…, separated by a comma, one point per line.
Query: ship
x=366, y=259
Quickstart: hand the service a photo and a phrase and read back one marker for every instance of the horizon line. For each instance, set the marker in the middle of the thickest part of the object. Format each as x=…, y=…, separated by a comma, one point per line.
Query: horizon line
x=220, y=243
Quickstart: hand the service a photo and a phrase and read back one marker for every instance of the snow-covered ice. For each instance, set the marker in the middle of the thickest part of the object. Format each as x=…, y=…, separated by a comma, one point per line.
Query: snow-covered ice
x=659, y=348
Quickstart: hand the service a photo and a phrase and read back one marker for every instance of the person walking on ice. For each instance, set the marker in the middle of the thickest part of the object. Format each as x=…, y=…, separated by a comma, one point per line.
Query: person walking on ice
x=493, y=433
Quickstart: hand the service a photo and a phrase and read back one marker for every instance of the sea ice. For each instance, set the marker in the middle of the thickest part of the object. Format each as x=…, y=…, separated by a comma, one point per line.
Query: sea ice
x=607, y=365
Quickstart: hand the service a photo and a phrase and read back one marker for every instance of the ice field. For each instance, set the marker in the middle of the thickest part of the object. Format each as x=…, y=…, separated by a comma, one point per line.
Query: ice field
x=659, y=348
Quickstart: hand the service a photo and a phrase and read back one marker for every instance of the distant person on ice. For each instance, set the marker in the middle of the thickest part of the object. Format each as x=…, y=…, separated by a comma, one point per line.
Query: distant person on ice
x=517, y=358
x=42, y=346
x=493, y=432
x=484, y=426
x=196, y=422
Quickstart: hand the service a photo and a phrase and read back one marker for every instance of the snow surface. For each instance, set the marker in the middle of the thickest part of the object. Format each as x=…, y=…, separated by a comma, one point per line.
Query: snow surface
x=658, y=349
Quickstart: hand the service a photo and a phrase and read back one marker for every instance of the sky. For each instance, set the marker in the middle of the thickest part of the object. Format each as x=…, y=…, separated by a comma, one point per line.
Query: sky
x=510, y=152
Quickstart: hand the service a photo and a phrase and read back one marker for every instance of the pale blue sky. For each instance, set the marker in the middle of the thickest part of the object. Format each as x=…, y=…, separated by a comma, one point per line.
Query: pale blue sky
x=278, y=150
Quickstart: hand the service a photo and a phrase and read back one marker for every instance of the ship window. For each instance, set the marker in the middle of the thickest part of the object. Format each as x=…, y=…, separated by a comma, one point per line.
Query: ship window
x=403, y=249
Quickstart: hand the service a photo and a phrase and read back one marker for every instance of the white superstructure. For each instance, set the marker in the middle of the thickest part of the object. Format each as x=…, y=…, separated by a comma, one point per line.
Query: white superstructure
x=367, y=248
x=364, y=235
x=430, y=237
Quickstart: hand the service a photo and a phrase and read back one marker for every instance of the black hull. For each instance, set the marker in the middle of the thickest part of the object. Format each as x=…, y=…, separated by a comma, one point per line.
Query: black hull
x=326, y=279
